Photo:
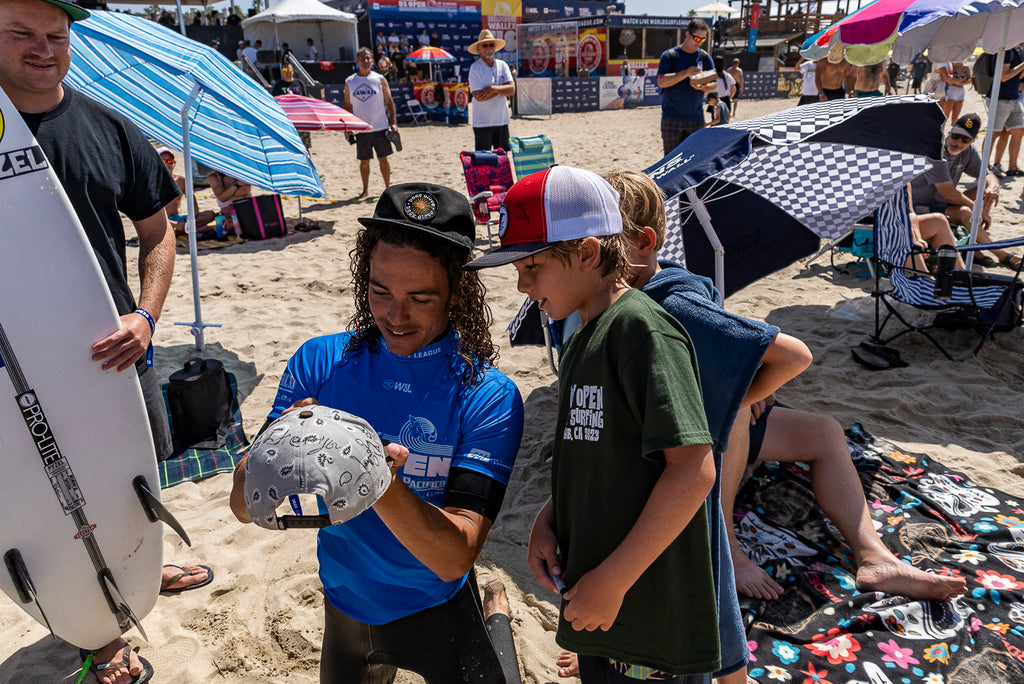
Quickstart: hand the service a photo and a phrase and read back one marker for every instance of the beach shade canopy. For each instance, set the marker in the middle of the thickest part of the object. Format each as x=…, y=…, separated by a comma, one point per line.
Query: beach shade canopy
x=311, y=114
x=949, y=30
x=190, y=97
x=747, y=199
x=293, y=21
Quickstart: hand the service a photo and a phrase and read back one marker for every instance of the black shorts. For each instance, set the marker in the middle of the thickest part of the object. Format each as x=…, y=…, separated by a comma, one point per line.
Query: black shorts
x=491, y=137
x=757, y=431
x=374, y=141
x=834, y=93
x=446, y=644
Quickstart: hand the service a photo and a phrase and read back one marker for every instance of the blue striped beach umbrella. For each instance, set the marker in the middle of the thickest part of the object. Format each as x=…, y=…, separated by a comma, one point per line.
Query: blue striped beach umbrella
x=190, y=97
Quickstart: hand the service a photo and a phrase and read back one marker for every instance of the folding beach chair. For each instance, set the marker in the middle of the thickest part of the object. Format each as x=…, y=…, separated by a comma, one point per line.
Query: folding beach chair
x=488, y=178
x=985, y=302
x=531, y=155
x=419, y=114
x=532, y=327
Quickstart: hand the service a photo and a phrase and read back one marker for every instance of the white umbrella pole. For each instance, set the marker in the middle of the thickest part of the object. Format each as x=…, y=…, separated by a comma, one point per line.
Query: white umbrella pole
x=705, y=221
x=181, y=19
x=986, y=147
x=190, y=225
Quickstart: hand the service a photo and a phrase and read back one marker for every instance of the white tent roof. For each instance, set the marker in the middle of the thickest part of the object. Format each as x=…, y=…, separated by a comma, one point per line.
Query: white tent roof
x=293, y=21
x=299, y=10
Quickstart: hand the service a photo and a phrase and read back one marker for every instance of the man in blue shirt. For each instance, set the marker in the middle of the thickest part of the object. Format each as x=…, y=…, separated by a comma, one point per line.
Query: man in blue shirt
x=682, y=102
x=416, y=363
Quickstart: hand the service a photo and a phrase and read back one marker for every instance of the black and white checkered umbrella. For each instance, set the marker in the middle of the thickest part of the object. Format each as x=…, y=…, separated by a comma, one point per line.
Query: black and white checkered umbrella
x=747, y=199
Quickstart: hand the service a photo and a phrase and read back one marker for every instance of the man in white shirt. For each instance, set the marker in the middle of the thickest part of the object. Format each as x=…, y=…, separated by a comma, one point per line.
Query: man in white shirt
x=491, y=84
x=250, y=52
x=368, y=96
x=809, y=91
x=312, y=54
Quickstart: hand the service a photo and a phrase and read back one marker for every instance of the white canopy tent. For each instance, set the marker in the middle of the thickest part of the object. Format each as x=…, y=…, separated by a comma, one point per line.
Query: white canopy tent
x=294, y=21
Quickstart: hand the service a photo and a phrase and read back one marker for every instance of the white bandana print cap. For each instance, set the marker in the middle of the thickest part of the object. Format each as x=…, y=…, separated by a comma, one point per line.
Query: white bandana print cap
x=315, y=450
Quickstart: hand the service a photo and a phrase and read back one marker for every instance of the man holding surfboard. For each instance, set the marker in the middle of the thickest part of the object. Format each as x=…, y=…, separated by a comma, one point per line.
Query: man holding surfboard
x=106, y=166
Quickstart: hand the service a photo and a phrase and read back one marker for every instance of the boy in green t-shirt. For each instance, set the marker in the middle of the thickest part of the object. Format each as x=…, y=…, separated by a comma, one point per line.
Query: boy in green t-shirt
x=625, y=528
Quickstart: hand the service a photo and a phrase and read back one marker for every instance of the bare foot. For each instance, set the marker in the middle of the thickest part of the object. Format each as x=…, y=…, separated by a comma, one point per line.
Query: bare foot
x=495, y=601
x=754, y=582
x=113, y=652
x=895, y=577
x=196, y=575
x=363, y=195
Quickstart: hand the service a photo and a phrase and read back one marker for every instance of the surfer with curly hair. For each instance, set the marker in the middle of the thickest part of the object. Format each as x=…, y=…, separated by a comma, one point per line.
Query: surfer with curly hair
x=417, y=364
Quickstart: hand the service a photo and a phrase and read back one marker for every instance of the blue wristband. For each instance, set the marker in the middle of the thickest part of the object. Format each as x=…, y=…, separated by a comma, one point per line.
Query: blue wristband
x=152, y=330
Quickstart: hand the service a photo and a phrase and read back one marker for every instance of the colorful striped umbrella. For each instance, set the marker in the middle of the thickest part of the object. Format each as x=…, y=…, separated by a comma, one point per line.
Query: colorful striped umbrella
x=430, y=55
x=190, y=97
x=311, y=114
x=949, y=29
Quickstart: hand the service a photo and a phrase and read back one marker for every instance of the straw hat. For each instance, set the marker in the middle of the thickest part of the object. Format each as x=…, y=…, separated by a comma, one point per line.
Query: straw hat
x=486, y=37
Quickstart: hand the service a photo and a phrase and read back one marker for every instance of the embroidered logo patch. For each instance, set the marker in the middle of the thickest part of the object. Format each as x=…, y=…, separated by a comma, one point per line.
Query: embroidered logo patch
x=502, y=222
x=421, y=207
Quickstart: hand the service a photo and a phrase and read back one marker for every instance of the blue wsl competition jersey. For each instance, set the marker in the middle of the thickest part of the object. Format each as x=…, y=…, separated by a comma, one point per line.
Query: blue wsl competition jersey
x=416, y=401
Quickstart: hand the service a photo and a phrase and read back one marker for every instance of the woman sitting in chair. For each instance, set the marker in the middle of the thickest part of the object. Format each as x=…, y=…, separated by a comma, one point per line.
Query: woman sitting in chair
x=930, y=231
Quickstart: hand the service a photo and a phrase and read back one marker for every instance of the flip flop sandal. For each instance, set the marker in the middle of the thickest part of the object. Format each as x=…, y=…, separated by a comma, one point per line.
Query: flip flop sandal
x=888, y=353
x=985, y=261
x=184, y=573
x=1011, y=261
x=869, y=359
x=123, y=663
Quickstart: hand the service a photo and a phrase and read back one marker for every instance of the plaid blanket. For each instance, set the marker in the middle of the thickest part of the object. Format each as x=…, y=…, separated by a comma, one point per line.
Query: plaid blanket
x=195, y=464
x=823, y=631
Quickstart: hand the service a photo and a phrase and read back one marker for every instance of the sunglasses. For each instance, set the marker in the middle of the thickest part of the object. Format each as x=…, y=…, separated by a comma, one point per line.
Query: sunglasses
x=486, y=45
x=960, y=138
x=169, y=162
x=699, y=39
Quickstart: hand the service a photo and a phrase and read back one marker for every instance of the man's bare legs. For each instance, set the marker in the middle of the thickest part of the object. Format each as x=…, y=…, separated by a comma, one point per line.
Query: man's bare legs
x=364, y=173
x=385, y=170
x=818, y=440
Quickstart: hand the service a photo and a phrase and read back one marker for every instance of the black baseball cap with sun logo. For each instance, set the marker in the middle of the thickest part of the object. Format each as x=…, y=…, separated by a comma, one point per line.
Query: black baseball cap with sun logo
x=433, y=209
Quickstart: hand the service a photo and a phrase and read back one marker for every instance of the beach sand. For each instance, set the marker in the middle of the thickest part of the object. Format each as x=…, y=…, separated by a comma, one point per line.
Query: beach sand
x=261, y=620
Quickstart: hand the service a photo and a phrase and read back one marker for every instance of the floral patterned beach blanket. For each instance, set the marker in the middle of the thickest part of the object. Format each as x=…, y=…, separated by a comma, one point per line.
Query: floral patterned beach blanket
x=823, y=631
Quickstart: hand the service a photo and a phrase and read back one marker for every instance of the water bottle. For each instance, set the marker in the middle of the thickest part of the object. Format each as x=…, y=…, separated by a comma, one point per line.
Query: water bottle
x=220, y=227
x=943, y=277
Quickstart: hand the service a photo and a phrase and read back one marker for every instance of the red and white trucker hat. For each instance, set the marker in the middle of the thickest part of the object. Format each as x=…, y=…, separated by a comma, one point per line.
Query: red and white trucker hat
x=551, y=206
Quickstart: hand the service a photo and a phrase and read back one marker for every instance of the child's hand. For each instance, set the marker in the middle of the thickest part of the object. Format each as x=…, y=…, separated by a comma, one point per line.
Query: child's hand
x=594, y=601
x=542, y=553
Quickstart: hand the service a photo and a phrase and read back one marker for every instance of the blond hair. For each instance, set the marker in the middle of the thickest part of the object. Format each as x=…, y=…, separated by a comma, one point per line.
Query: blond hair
x=614, y=258
x=641, y=203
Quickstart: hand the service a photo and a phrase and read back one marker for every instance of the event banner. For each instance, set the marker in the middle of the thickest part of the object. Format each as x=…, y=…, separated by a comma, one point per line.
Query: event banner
x=575, y=94
x=633, y=67
x=455, y=34
x=549, y=10
x=502, y=17
x=533, y=96
x=590, y=51
x=550, y=48
x=621, y=92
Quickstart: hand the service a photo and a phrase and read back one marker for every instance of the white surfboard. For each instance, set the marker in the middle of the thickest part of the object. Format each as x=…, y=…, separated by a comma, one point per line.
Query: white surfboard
x=79, y=550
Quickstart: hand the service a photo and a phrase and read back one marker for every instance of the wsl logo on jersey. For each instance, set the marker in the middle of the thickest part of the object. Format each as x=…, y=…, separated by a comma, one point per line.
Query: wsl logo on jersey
x=364, y=92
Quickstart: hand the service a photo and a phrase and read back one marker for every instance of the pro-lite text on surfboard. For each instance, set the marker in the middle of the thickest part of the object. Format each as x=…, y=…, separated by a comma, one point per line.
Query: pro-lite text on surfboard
x=63, y=480
x=20, y=162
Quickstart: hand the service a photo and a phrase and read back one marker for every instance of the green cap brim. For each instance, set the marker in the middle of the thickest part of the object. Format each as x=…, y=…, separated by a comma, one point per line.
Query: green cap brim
x=74, y=11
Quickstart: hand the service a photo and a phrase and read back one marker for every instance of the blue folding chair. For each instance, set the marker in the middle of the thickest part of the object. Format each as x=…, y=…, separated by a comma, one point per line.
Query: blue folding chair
x=531, y=154
x=985, y=302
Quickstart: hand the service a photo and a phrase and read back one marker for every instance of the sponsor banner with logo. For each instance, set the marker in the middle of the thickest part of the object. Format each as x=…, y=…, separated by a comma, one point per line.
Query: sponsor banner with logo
x=533, y=96
x=762, y=85
x=652, y=93
x=634, y=67
x=621, y=92
x=590, y=50
x=548, y=10
x=575, y=94
x=456, y=22
x=502, y=17
x=545, y=52
x=644, y=21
